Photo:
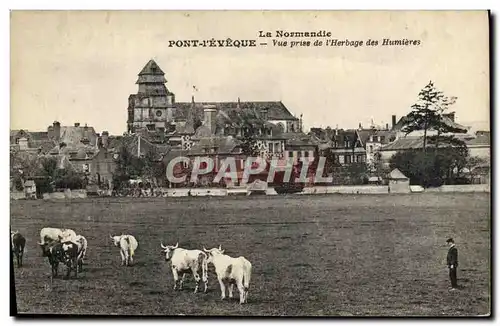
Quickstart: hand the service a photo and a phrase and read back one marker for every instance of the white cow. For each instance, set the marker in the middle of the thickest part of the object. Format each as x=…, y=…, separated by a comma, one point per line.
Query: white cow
x=82, y=250
x=232, y=271
x=128, y=245
x=56, y=235
x=187, y=261
x=68, y=235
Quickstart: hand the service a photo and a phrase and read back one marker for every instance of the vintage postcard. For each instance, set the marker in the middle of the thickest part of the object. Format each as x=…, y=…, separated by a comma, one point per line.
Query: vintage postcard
x=250, y=163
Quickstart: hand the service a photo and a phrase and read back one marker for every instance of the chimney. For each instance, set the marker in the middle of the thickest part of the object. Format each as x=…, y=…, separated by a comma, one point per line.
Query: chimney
x=450, y=115
x=57, y=130
x=77, y=124
x=210, y=112
x=386, y=126
x=50, y=132
x=393, y=120
x=238, y=104
x=263, y=113
x=105, y=139
x=359, y=126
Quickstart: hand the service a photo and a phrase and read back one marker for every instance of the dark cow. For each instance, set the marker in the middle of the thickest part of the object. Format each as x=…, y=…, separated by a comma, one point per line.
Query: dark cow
x=18, y=242
x=62, y=252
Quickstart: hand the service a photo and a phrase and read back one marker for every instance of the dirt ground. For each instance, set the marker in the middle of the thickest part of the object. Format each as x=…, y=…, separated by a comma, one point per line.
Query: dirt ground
x=332, y=255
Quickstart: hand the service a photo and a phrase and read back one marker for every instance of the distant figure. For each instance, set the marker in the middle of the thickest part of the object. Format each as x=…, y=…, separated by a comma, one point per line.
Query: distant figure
x=452, y=262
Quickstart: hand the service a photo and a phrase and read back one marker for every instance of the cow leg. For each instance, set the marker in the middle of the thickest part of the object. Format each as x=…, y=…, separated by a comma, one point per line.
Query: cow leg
x=20, y=263
x=131, y=259
x=176, y=277
x=205, y=280
x=68, y=265
x=222, y=289
x=241, y=289
x=54, y=269
x=181, y=285
x=75, y=263
x=197, y=279
x=231, y=286
x=123, y=257
x=127, y=260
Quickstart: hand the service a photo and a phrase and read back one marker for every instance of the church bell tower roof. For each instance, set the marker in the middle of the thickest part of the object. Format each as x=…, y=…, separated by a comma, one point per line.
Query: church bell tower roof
x=151, y=73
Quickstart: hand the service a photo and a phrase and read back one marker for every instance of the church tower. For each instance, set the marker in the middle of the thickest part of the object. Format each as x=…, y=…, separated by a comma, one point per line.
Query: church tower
x=152, y=107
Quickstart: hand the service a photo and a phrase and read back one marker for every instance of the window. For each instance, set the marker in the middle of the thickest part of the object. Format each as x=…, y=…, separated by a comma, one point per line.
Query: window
x=382, y=139
x=290, y=153
x=370, y=148
x=306, y=154
x=17, y=140
x=341, y=159
x=348, y=159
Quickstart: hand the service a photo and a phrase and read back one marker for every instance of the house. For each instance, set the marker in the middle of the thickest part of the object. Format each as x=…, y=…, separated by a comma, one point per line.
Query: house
x=398, y=182
x=345, y=145
x=373, y=140
x=300, y=145
x=30, y=189
x=102, y=166
x=478, y=145
x=34, y=142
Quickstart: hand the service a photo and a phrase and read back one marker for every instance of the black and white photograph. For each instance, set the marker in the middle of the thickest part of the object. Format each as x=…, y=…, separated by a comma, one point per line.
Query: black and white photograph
x=250, y=163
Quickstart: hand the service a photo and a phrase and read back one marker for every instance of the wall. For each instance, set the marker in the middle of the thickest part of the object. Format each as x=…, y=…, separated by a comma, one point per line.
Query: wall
x=461, y=188
x=399, y=186
x=17, y=195
x=368, y=189
x=67, y=194
x=480, y=151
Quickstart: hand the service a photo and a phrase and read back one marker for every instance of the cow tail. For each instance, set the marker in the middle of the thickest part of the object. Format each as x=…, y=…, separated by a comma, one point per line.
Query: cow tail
x=247, y=274
x=130, y=248
x=202, y=261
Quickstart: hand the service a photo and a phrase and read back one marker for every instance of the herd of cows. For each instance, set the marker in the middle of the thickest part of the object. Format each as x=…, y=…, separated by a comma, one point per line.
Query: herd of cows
x=64, y=246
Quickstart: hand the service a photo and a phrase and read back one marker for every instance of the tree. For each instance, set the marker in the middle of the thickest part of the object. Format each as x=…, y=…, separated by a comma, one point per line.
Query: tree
x=433, y=168
x=377, y=165
x=126, y=166
x=427, y=114
x=250, y=126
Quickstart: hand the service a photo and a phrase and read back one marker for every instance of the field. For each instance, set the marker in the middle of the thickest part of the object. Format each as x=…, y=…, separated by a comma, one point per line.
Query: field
x=336, y=255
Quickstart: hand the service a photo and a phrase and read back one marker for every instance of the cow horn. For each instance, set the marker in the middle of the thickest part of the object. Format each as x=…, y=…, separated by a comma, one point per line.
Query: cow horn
x=164, y=247
x=176, y=245
x=111, y=236
x=220, y=248
x=205, y=250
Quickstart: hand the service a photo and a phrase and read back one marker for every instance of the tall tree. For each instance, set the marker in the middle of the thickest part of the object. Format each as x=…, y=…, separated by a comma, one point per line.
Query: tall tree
x=427, y=114
x=250, y=125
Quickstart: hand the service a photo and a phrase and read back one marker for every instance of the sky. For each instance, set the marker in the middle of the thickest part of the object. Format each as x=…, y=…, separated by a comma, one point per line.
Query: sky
x=81, y=66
